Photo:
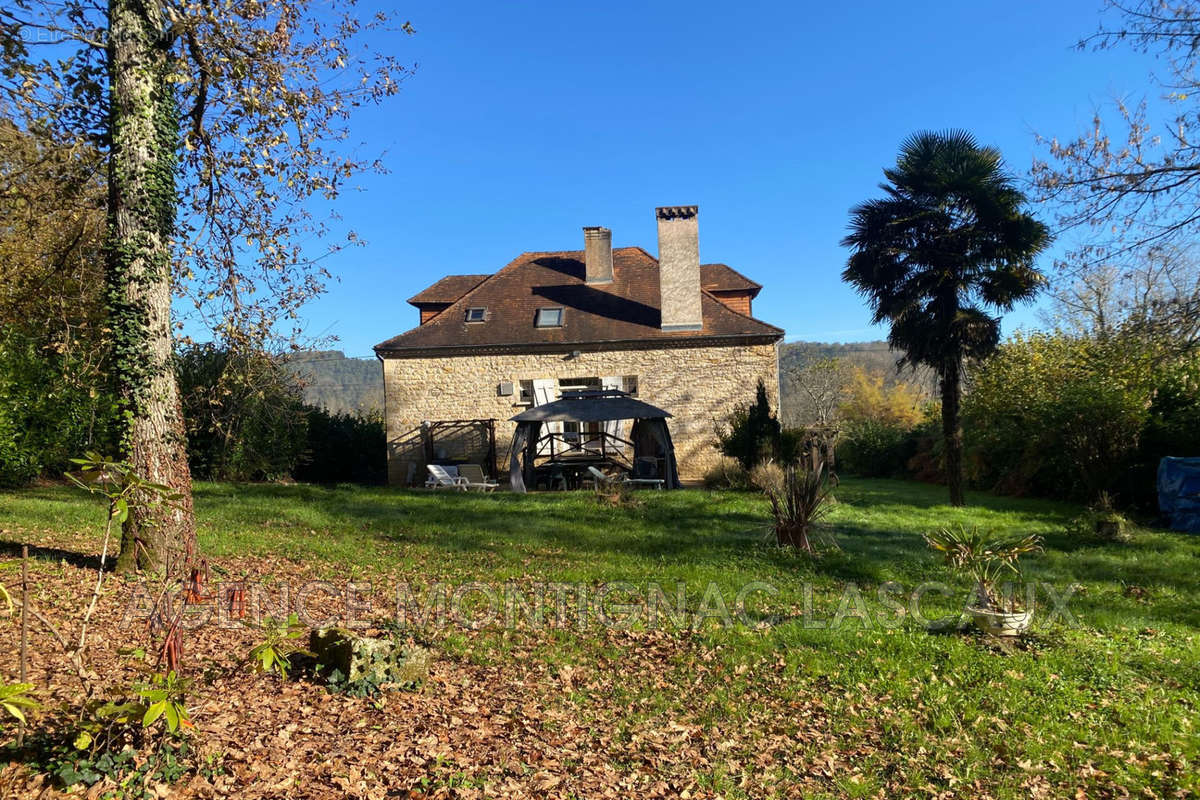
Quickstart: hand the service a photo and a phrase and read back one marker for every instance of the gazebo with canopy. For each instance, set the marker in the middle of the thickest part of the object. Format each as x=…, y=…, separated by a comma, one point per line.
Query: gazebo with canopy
x=537, y=445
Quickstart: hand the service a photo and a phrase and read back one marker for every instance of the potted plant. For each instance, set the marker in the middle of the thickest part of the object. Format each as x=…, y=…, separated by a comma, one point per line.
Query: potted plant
x=1107, y=522
x=986, y=560
x=798, y=498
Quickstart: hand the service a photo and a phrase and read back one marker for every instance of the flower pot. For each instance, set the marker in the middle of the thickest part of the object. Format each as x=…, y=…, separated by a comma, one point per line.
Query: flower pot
x=1001, y=623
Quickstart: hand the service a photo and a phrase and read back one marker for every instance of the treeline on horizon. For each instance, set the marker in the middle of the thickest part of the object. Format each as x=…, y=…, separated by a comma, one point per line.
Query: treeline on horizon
x=338, y=384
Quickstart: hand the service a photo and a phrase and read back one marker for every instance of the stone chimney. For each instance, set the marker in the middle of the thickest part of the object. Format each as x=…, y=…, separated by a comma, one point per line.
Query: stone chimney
x=679, y=268
x=597, y=255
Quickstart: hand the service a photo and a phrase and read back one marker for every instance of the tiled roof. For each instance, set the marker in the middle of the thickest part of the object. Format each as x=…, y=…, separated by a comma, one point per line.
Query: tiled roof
x=724, y=278
x=624, y=311
x=448, y=289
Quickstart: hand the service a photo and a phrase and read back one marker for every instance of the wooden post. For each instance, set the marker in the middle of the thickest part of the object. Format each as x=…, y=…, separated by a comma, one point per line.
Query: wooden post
x=427, y=442
x=24, y=668
x=489, y=431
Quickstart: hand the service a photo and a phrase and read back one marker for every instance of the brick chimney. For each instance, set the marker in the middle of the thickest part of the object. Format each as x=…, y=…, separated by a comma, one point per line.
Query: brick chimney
x=597, y=255
x=679, y=268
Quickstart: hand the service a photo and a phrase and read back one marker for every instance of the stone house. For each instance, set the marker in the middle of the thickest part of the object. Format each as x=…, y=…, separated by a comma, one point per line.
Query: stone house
x=669, y=330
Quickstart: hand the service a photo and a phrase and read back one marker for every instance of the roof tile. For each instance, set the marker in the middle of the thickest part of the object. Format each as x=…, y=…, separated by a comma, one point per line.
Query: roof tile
x=448, y=289
x=625, y=310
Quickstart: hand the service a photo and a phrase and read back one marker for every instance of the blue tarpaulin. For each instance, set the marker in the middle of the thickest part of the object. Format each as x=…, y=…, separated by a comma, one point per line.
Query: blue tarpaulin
x=1179, y=493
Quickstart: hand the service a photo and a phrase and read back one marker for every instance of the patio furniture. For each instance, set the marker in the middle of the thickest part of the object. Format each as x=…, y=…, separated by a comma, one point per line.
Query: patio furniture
x=602, y=479
x=473, y=474
x=445, y=478
x=557, y=478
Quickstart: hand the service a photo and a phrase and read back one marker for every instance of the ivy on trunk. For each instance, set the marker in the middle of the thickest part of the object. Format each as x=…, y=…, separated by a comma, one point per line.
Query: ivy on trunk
x=142, y=201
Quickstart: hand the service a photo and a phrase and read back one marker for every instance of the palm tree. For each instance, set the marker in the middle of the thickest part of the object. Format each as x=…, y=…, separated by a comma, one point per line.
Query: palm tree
x=948, y=243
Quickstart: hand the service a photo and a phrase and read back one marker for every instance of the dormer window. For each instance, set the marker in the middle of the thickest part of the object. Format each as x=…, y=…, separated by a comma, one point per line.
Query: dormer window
x=549, y=318
x=476, y=314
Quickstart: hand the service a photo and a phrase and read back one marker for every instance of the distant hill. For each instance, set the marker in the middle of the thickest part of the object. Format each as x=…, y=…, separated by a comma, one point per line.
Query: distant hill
x=338, y=384
x=874, y=357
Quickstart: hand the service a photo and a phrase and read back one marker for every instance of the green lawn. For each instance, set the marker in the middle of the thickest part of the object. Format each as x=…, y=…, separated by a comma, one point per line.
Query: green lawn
x=1101, y=701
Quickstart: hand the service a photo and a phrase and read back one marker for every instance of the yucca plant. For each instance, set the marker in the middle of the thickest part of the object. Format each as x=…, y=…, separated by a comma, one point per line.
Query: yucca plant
x=798, y=498
x=983, y=558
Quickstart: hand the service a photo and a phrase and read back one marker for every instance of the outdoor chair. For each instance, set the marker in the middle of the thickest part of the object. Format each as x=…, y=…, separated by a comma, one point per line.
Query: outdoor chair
x=601, y=479
x=445, y=478
x=473, y=474
x=609, y=480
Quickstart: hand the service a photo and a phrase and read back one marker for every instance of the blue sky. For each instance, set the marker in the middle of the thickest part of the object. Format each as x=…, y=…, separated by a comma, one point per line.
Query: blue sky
x=525, y=121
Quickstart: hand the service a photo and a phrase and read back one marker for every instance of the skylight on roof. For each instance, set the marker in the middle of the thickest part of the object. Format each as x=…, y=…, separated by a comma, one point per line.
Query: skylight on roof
x=549, y=318
x=476, y=314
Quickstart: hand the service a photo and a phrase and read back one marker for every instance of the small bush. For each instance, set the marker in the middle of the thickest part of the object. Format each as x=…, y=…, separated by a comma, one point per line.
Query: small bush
x=727, y=474
x=274, y=653
x=1102, y=521
x=52, y=406
x=985, y=559
x=751, y=434
x=343, y=447
x=875, y=448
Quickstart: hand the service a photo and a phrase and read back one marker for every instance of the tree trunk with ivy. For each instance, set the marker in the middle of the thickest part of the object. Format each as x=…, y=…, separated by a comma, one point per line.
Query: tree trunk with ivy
x=144, y=130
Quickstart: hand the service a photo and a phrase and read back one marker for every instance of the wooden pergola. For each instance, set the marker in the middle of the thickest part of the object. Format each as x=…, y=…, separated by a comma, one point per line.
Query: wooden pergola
x=432, y=430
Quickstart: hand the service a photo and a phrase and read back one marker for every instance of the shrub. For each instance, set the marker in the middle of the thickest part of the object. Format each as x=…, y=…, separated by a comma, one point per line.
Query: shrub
x=728, y=473
x=1102, y=521
x=244, y=414
x=19, y=460
x=984, y=559
x=899, y=405
x=343, y=447
x=751, y=434
x=1072, y=416
x=51, y=408
x=875, y=448
x=927, y=444
x=275, y=652
x=1172, y=429
x=887, y=431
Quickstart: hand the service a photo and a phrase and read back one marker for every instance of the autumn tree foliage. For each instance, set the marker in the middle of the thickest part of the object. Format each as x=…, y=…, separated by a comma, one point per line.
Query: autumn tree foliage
x=214, y=126
x=53, y=405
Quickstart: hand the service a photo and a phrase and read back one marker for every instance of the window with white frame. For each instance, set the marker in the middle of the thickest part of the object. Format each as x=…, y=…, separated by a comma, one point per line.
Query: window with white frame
x=549, y=317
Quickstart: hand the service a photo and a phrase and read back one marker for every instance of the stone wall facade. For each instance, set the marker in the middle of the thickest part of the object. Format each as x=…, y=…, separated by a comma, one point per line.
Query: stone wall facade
x=697, y=385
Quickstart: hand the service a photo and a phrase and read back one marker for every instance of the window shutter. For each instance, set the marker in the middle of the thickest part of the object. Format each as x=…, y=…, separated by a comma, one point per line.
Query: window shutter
x=545, y=390
x=612, y=427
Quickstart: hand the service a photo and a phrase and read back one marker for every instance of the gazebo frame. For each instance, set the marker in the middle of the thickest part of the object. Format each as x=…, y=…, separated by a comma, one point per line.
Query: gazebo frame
x=531, y=443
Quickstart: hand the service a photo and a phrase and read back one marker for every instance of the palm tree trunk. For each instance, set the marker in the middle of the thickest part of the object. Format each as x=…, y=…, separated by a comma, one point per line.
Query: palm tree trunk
x=143, y=125
x=952, y=428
